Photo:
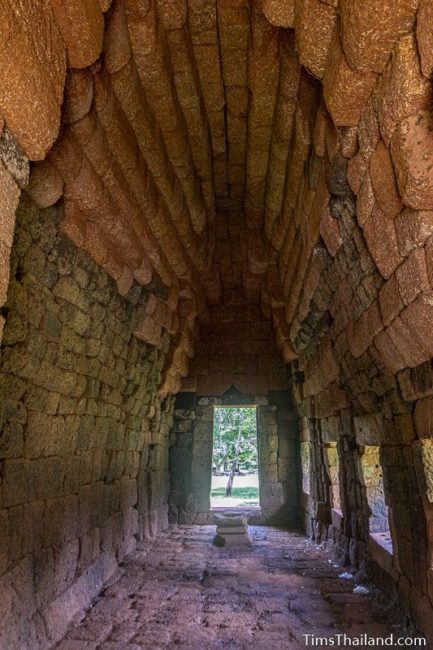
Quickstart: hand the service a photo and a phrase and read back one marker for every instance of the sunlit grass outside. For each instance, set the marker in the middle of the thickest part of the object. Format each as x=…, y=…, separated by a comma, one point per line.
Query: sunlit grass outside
x=245, y=492
x=248, y=496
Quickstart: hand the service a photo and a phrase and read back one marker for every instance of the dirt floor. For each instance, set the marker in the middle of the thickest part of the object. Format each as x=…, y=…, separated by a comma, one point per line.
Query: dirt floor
x=185, y=593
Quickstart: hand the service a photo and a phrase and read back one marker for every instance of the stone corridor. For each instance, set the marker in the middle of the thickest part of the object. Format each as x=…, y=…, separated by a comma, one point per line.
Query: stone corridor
x=211, y=203
x=185, y=593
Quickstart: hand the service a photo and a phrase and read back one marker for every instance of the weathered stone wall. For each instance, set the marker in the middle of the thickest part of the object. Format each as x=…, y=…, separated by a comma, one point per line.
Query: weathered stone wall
x=236, y=348
x=268, y=157
x=14, y=173
x=278, y=456
x=354, y=390
x=236, y=341
x=84, y=435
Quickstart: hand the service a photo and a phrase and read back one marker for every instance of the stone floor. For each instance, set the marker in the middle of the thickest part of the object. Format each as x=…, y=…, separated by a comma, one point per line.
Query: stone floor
x=185, y=593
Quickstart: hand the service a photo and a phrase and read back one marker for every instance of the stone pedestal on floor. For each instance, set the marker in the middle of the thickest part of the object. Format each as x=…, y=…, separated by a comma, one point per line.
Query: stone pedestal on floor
x=232, y=529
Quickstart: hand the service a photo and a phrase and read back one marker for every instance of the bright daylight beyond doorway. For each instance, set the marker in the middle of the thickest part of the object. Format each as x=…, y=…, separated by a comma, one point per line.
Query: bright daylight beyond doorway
x=235, y=479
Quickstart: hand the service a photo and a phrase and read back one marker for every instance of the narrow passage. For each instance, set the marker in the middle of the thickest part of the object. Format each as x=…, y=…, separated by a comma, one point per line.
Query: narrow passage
x=182, y=592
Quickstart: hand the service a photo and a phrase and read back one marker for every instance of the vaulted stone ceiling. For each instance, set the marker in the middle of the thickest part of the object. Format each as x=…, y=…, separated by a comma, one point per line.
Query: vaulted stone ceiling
x=167, y=124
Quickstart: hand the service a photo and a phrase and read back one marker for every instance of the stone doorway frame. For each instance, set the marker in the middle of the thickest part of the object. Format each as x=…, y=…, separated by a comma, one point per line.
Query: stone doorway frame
x=257, y=509
x=278, y=455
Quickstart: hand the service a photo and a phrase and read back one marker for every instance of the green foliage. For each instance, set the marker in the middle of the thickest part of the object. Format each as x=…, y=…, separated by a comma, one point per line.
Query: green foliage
x=235, y=437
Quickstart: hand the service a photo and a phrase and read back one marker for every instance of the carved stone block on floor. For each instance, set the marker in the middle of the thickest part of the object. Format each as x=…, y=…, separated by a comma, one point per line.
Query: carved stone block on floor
x=232, y=529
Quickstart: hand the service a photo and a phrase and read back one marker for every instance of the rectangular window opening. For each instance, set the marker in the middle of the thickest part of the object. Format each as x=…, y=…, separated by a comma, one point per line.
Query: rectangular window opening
x=235, y=462
x=379, y=511
x=332, y=463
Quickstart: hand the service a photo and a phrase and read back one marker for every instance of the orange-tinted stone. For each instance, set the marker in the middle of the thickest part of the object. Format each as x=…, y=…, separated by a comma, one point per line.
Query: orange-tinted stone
x=391, y=356
x=412, y=277
x=172, y=14
x=381, y=238
x=424, y=35
x=67, y=158
x=346, y=91
x=408, y=347
x=369, y=30
x=390, y=300
x=384, y=182
x=357, y=171
x=78, y=95
x=418, y=318
x=117, y=42
x=368, y=130
x=280, y=12
x=330, y=232
x=349, y=142
x=365, y=200
x=413, y=228
x=401, y=90
x=412, y=154
x=314, y=27
x=31, y=76
x=82, y=26
x=9, y=196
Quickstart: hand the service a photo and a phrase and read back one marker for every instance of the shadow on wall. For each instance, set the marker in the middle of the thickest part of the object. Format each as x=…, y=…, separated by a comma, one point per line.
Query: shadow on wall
x=191, y=456
x=84, y=436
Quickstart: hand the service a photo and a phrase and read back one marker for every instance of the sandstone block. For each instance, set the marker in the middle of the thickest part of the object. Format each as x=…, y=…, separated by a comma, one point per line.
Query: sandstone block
x=48, y=435
x=117, y=42
x=390, y=355
x=346, y=91
x=78, y=95
x=314, y=27
x=357, y=171
x=370, y=31
x=412, y=153
x=280, y=12
x=368, y=129
x=425, y=37
x=417, y=317
x=369, y=429
x=402, y=90
x=423, y=457
x=424, y=418
x=67, y=157
x=9, y=195
x=412, y=276
x=381, y=238
x=330, y=232
x=82, y=26
x=32, y=64
x=390, y=300
x=384, y=182
x=413, y=228
x=409, y=348
x=172, y=14
x=365, y=200
x=46, y=185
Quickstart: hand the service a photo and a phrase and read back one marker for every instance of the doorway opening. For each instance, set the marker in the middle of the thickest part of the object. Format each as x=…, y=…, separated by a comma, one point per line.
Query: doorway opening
x=235, y=462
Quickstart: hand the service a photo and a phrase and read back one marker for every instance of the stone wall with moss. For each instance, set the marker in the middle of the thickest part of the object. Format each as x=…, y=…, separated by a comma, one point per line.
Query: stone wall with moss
x=84, y=436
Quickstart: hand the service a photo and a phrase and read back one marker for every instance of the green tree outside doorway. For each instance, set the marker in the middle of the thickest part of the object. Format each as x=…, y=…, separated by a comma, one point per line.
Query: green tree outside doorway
x=235, y=445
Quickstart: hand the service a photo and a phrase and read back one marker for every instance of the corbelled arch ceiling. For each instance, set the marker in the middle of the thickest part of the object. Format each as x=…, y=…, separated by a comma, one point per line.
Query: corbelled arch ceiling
x=163, y=123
